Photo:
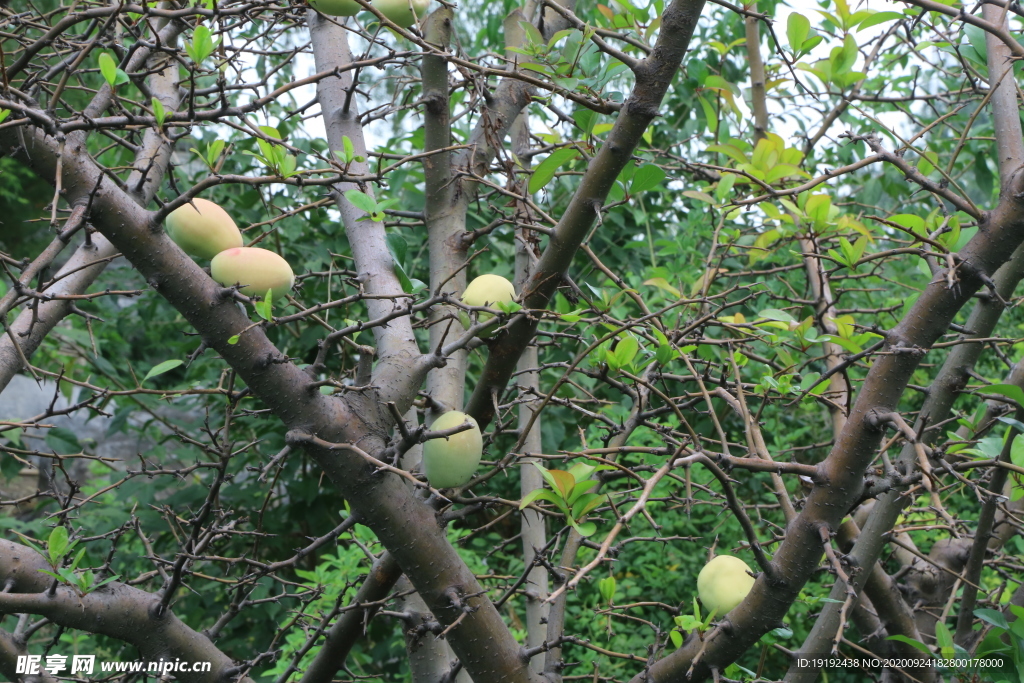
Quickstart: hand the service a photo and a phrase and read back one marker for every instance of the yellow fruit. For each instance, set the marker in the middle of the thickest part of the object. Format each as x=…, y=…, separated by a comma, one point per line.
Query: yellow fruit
x=203, y=230
x=723, y=583
x=405, y=13
x=453, y=461
x=336, y=8
x=488, y=290
x=257, y=269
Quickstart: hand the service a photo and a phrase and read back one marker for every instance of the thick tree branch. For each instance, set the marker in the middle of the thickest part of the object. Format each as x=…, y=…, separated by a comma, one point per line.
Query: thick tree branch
x=406, y=527
x=654, y=76
x=1002, y=231
x=954, y=374
x=116, y=610
x=351, y=625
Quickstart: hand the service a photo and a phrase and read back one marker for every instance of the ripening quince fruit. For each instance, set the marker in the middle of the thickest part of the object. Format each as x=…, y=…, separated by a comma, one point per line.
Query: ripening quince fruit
x=405, y=13
x=488, y=290
x=203, y=230
x=336, y=8
x=452, y=462
x=256, y=269
x=723, y=583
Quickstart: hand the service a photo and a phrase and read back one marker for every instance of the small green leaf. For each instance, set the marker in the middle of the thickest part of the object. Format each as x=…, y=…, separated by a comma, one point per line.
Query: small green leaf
x=108, y=67
x=159, y=113
x=57, y=544
x=4, y=113
x=913, y=643
x=78, y=558
x=233, y=339
x=361, y=201
x=1010, y=391
x=606, y=586
x=265, y=308
x=14, y=436
x=63, y=441
x=586, y=529
x=677, y=639
x=797, y=28
x=53, y=574
x=546, y=169
x=993, y=617
x=647, y=177
x=350, y=149
x=879, y=18
x=161, y=368
x=776, y=314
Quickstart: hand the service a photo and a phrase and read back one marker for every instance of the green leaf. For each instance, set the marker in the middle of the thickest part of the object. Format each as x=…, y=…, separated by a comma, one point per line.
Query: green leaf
x=879, y=18
x=797, y=28
x=361, y=201
x=1010, y=391
x=53, y=574
x=993, y=617
x=586, y=529
x=104, y=582
x=202, y=45
x=350, y=149
x=976, y=37
x=709, y=113
x=914, y=643
x=606, y=587
x=57, y=544
x=161, y=368
x=663, y=284
x=647, y=177
x=108, y=67
x=233, y=339
x=1017, y=451
x=265, y=308
x=78, y=559
x=14, y=436
x=776, y=314
x=626, y=350
x=4, y=113
x=587, y=503
x=677, y=639
x=159, y=113
x=63, y=441
x=538, y=494
x=944, y=639
x=581, y=471
x=546, y=169
x=398, y=248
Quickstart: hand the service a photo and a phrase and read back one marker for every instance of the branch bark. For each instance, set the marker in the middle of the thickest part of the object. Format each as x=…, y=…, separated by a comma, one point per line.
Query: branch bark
x=654, y=75
x=116, y=610
x=1002, y=231
x=953, y=375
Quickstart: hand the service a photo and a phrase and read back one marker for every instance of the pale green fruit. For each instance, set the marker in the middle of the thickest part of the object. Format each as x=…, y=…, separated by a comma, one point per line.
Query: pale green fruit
x=488, y=290
x=336, y=8
x=723, y=583
x=453, y=461
x=257, y=269
x=405, y=13
x=203, y=230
